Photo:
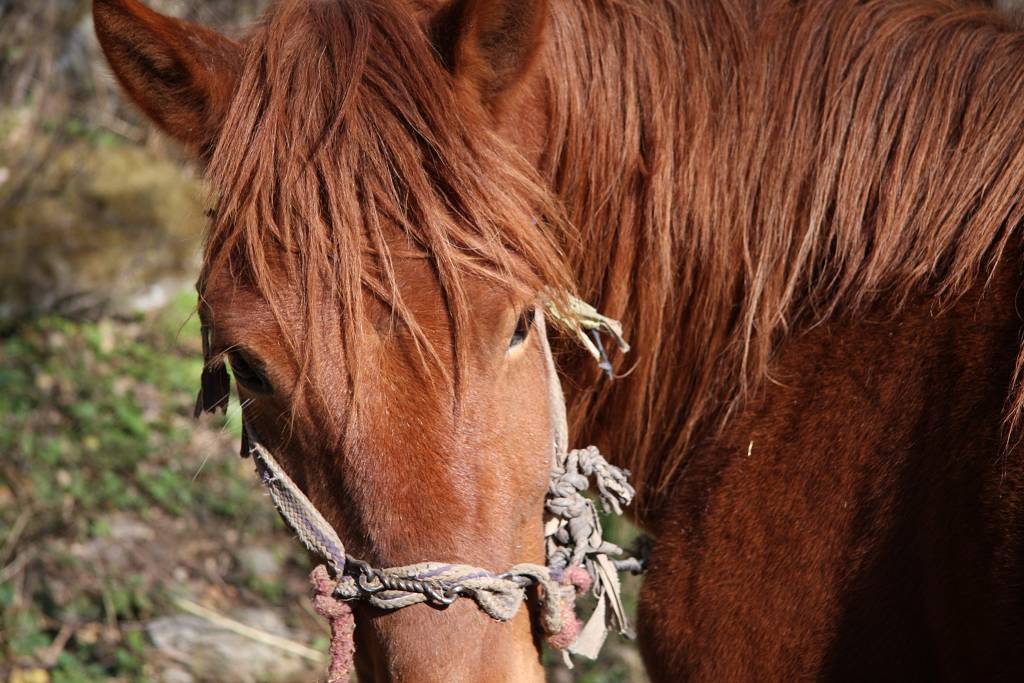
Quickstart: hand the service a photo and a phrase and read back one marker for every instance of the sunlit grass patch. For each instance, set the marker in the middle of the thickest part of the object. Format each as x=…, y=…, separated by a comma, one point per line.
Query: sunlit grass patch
x=99, y=456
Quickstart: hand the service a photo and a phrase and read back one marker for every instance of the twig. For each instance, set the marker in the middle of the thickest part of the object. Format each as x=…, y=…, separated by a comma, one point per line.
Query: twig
x=249, y=632
x=109, y=611
x=16, y=565
x=48, y=657
x=15, y=534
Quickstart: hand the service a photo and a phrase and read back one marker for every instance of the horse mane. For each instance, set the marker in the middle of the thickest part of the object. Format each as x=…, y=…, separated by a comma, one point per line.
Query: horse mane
x=742, y=171
x=736, y=173
x=345, y=145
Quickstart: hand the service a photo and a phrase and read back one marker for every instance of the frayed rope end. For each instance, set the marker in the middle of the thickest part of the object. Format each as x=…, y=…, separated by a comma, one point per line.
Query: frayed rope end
x=343, y=624
x=575, y=581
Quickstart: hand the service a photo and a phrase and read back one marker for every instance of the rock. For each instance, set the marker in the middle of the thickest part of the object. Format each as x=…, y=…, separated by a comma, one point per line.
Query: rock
x=126, y=529
x=29, y=676
x=115, y=550
x=213, y=654
x=174, y=674
x=259, y=562
x=98, y=230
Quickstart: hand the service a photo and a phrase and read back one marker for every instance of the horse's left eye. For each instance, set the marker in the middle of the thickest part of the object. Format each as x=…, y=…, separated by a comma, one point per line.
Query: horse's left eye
x=522, y=328
x=249, y=373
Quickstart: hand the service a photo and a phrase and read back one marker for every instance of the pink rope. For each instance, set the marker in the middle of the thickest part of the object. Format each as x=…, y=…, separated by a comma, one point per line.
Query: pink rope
x=575, y=581
x=343, y=624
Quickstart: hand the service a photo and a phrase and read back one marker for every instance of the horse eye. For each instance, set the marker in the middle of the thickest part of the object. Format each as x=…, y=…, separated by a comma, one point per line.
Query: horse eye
x=249, y=373
x=522, y=328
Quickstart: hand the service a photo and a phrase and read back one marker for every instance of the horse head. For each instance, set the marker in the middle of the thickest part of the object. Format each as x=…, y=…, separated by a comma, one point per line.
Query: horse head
x=374, y=276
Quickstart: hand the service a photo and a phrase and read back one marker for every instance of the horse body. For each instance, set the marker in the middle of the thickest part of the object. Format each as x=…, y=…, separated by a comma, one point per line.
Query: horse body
x=804, y=215
x=861, y=518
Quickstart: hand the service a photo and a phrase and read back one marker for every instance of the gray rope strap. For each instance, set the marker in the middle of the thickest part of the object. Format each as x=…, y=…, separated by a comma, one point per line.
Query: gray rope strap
x=574, y=531
x=575, y=539
x=436, y=583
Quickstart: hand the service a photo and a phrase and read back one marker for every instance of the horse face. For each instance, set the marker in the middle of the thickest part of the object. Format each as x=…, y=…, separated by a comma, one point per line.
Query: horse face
x=408, y=468
x=376, y=300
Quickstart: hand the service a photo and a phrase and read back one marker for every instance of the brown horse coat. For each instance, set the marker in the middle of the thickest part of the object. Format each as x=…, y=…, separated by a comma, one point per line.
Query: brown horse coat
x=862, y=518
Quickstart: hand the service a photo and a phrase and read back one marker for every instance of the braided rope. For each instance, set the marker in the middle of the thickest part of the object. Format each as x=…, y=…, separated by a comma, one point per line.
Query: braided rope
x=315, y=533
x=577, y=533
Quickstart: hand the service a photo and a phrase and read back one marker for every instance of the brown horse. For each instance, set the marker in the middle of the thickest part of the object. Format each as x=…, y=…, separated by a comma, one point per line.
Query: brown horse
x=805, y=216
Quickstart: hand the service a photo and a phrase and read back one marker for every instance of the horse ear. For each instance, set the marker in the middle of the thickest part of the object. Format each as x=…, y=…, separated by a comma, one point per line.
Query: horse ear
x=181, y=74
x=490, y=45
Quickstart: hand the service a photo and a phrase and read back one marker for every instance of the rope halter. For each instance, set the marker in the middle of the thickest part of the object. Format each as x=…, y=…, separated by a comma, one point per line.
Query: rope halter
x=578, y=558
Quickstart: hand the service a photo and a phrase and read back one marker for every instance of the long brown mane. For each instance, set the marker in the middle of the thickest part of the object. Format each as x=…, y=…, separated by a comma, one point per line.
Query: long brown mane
x=764, y=167
x=718, y=212
x=335, y=155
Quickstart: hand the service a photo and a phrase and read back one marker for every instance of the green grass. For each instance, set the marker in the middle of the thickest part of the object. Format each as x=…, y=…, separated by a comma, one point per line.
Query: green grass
x=92, y=416
x=94, y=422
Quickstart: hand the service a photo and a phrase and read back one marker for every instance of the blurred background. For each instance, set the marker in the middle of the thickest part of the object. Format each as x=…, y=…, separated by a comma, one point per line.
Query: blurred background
x=135, y=545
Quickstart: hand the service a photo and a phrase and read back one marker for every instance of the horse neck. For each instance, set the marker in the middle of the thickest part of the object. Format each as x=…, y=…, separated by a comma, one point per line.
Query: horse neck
x=671, y=142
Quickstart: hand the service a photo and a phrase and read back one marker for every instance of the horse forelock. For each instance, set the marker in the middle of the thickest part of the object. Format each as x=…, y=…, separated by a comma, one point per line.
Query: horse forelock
x=761, y=168
x=346, y=144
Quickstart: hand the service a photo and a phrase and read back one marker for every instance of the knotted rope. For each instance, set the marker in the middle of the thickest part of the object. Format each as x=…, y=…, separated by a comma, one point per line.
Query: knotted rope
x=577, y=555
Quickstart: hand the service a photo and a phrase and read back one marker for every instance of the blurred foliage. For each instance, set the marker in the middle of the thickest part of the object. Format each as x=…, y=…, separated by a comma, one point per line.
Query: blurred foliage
x=94, y=427
x=92, y=402
x=49, y=58
x=103, y=226
x=96, y=213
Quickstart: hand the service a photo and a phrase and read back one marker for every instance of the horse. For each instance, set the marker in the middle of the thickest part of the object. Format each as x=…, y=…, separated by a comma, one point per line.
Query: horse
x=805, y=216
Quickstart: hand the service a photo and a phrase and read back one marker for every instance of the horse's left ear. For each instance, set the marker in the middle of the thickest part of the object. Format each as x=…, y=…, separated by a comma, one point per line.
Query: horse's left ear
x=181, y=74
x=490, y=45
